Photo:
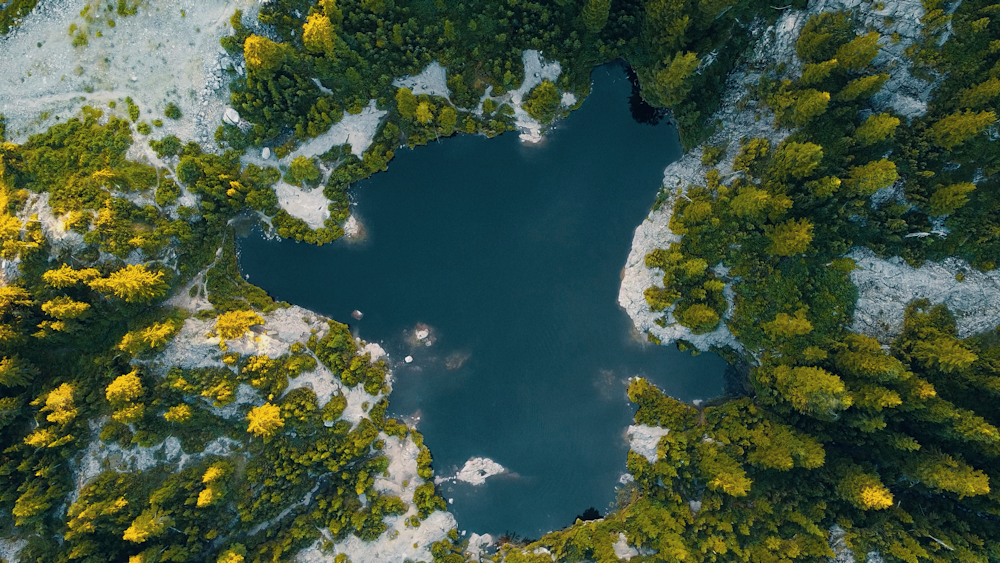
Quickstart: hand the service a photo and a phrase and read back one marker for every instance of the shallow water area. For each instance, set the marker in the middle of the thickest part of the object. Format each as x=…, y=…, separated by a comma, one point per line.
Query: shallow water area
x=508, y=255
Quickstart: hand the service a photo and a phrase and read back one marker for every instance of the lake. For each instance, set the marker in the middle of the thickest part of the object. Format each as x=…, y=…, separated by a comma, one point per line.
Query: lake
x=510, y=254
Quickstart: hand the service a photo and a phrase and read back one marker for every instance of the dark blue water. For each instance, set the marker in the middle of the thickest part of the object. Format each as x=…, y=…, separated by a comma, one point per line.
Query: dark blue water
x=511, y=254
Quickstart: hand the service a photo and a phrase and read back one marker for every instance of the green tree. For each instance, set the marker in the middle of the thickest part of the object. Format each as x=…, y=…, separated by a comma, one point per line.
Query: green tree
x=406, y=103
x=543, y=102
x=787, y=326
x=869, y=178
x=796, y=160
x=814, y=73
x=261, y=53
x=698, y=317
x=595, y=14
x=317, y=33
x=302, y=170
x=863, y=87
x=948, y=199
x=859, y=52
x=957, y=128
x=980, y=95
x=672, y=84
x=800, y=106
x=864, y=489
x=822, y=35
x=942, y=472
x=789, y=238
x=878, y=127
x=447, y=118
x=812, y=390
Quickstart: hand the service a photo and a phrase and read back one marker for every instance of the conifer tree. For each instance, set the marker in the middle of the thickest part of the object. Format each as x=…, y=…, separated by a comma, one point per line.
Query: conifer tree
x=789, y=238
x=812, y=390
x=264, y=420
x=234, y=324
x=406, y=103
x=957, y=128
x=148, y=524
x=814, y=73
x=876, y=128
x=859, y=52
x=64, y=308
x=980, y=95
x=59, y=404
x=863, y=87
x=66, y=276
x=698, y=317
x=317, y=33
x=261, y=53
x=178, y=413
x=11, y=295
x=787, y=326
x=949, y=199
x=672, y=84
x=869, y=178
x=942, y=472
x=424, y=113
x=133, y=283
x=15, y=372
x=863, y=489
x=595, y=14
x=124, y=388
x=447, y=119
x=796, y=160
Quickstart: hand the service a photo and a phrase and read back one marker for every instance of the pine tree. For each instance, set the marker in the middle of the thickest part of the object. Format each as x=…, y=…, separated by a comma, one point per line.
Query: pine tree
x=787, y=326
x=863, y=489
x=699, y=318
x=130, y=413
x=447, y=119
x=261, y=53
x=824, y=187
x=264, y=420
x=800, y=106
x=134, y=284
x=869, y=178
x=178, y=413
x=858, y=53
x=424, y=113
x=812, y=390
x=146, y=525
x=949, y=199
x=125, y=388
x=64, y=308
x=302, y=170
x=980, y=95
x=542, y=102
x=15, y=372
x=59, y=404
x=789, y=238
x=957, y=128
x=796, y=160
x=66, y=276
x=814, y=73
x=317, y=33
x=672, y=84
x=876, y=128
x=947, y=353
x=234, y=324
x=750, y=202
x=863, y=87
x=942, y=472
x=595, y=14
x=10, y=407
x=406, y=103
x=11, y=295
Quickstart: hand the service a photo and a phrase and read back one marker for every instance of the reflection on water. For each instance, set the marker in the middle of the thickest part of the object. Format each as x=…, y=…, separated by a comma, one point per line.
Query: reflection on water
x=490, y=274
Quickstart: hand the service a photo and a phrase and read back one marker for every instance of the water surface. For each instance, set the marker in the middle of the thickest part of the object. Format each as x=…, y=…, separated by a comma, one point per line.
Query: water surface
x=511, y=254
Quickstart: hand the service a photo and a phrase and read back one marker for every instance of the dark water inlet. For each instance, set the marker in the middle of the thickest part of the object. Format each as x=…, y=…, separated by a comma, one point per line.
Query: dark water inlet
x=511, y=254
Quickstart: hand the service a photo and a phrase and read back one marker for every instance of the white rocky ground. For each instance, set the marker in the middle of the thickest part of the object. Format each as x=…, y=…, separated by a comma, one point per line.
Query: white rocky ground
x=432, y=81
x=155, y=57
x=307, y=204
x=9, y=550
x=776, y=44
x=53, y=227
x=475, y=471
x=885, y=287
x=535, y=70
x=644, y=440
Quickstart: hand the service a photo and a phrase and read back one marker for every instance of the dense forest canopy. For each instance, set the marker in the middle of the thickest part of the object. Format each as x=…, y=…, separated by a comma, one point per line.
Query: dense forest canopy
x=839, y=439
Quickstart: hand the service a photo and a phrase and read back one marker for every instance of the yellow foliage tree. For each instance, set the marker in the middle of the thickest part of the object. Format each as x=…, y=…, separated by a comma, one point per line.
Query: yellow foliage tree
x=133, y=283
x=788, y=326
x=132, y=412
x=149, y=338
x=148, y=524
x=425, y=113
x=179, y=413
x=265, y=420
x=864, y=490
x=317, y=33
x=40, y=438
x=68, y=277
x=59, y=404
x=11, y=295
x=789, y=238
x=124, y=388
x=234, y=324
x=64, y=308
x=262, y=53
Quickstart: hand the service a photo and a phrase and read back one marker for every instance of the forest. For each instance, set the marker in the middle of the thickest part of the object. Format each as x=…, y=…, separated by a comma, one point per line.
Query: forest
x=888, y=446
